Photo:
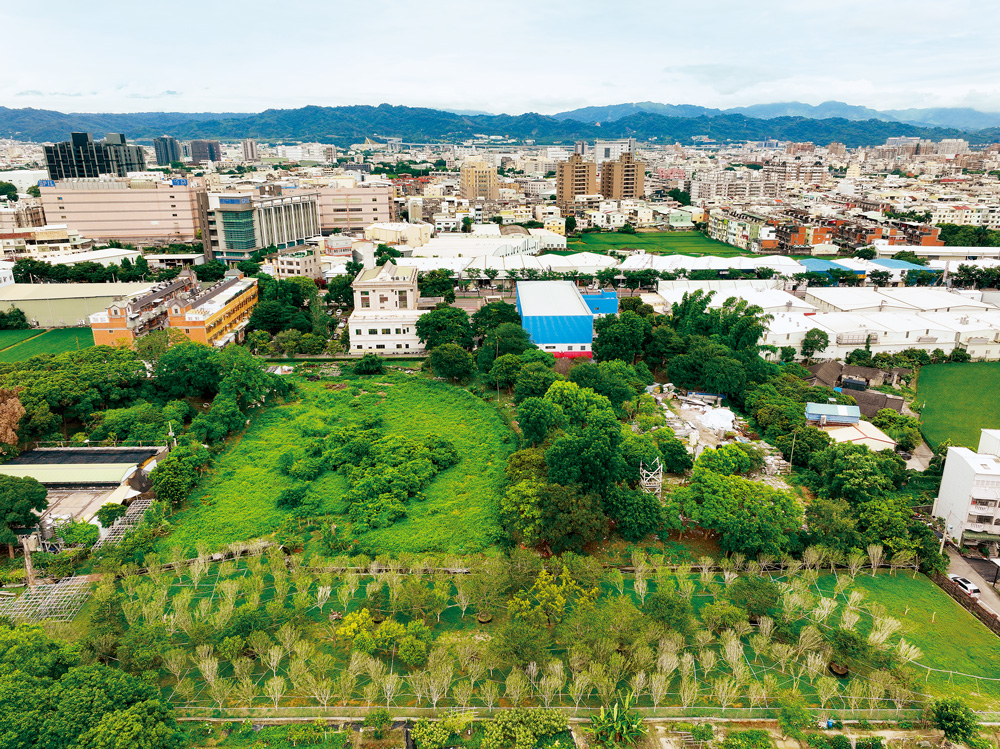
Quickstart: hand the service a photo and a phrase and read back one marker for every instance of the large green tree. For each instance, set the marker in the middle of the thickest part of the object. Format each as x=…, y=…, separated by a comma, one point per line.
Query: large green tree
x=444, y=325
x=493, y=315
x=22, y=499
x=452, y=361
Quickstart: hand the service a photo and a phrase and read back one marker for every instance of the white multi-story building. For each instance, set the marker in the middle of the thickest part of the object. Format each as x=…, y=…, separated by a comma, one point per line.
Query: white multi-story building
x=969, y=496
x=385, y=314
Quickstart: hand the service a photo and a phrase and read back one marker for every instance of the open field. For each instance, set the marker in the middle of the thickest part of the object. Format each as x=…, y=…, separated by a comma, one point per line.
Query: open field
x=663, y=243
x=237, y=500
x=10, y=338
x=54, y=341
x=704, y=672
x=958, y=400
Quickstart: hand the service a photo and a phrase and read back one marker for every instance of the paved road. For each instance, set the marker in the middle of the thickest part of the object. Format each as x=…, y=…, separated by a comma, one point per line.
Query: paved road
x=961, y=566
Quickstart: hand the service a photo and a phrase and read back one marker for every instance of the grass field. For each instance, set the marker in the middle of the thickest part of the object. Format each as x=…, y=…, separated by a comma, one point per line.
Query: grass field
x=10, y=338
x=664, y=243
x=50, y=342
x=236, y=501
x=958, y=400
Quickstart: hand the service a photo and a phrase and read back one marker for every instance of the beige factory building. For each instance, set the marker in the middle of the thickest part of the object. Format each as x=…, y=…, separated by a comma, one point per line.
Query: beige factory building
x=64, y=305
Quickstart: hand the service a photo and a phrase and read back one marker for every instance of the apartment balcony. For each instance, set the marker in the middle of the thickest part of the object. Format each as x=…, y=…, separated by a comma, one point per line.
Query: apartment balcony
x=985, y=495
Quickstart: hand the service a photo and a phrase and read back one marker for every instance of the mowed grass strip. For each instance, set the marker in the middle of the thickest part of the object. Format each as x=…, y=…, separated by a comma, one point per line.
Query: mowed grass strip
x=10, y=338
x=56, y=341
x=958, y=401
x=663, y=243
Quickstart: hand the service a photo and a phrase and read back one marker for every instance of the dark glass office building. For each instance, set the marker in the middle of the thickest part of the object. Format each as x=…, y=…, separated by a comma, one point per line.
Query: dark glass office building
x=167, y=149
x=205, y=150
x=81, y=156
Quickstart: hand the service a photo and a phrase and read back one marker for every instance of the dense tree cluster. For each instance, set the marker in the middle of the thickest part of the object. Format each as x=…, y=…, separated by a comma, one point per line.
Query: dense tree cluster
x=39, y=271
x=53, y=699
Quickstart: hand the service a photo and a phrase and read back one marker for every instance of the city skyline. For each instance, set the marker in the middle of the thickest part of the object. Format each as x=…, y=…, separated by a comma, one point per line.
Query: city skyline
x=723, y=55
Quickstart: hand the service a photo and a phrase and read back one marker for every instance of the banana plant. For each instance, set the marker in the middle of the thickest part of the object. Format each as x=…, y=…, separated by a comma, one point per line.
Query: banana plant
x=617, y=725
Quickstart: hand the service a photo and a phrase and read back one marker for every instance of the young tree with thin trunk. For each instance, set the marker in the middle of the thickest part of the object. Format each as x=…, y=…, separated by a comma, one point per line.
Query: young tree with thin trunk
x=275, y=689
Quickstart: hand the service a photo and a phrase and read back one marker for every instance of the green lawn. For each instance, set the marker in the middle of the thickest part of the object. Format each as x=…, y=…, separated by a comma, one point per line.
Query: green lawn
x=958, y=400
x=956, y=646
x=665, y=243
x=54, y=341
x=10, y=338
x=236, y=501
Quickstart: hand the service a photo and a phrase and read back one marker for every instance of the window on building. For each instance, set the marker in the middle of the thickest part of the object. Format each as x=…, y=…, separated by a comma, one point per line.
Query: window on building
x=372, y=331
x=359, y=345
x=403, y=299
x=386, y=331
x=399, y=345
x=379, y=345
x=398, y=331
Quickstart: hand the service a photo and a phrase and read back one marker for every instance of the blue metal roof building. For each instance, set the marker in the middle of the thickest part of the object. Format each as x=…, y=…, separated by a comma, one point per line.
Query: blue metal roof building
x=602, y=303
x=556, y=317
x=832, y=413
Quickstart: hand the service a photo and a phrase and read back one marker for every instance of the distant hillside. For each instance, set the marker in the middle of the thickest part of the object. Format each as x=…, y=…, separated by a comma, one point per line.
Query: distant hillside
x=957, y=117
x=346, y=125
x=962, y=118
x=614, y=112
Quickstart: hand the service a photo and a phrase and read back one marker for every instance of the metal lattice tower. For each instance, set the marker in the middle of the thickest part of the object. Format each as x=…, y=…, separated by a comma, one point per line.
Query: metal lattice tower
x=125, y=524
x=651, y=478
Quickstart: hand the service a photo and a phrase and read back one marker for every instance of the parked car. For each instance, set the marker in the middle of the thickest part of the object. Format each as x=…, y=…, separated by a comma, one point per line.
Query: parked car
x=967, y=585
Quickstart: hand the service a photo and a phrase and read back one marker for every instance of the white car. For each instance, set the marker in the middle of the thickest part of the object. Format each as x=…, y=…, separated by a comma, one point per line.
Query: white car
x=967, y=585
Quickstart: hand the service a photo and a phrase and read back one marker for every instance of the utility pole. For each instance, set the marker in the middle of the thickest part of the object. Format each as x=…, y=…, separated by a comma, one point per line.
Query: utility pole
x=29, y=568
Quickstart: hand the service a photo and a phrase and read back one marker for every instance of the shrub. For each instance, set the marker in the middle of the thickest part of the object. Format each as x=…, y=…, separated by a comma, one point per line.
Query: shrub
x=955, y=718
x=370, y=364
x=378, y=720
x=521, y=728
x=702, y=732
x=752, y=739
x=429, y=735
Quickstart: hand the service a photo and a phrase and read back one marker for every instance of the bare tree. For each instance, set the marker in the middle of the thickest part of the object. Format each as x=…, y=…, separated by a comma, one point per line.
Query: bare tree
x=463, y=692
x=185, y=688
x=641, y=588
x=516, y=687
x=855, y=561
x=245, y=692
x=438, y=683
x=826, y=689
x=220, y=691
x=287, y=636
x=272, y=659
x=176, y=661
x=875, y=556
x=275, y=689
x=579, y=688
x=725, y=691
x=658, y=684
x=390, y=687
x=689, y=692
x=490, y=693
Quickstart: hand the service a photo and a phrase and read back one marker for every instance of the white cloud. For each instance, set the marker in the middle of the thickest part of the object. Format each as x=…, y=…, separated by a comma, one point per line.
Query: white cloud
x=533, y=56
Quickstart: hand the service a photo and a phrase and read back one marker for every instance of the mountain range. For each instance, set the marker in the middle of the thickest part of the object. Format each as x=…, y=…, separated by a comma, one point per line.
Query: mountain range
x=956, y=117
x=352, y=124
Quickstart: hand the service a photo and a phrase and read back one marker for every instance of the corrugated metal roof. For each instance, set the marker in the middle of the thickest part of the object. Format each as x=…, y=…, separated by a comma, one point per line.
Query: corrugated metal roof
x=559, y=329
x=551, y=299
x=833, y=409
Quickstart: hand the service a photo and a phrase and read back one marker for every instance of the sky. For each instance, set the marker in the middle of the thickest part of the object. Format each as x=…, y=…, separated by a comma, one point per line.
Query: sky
x=513, y=57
